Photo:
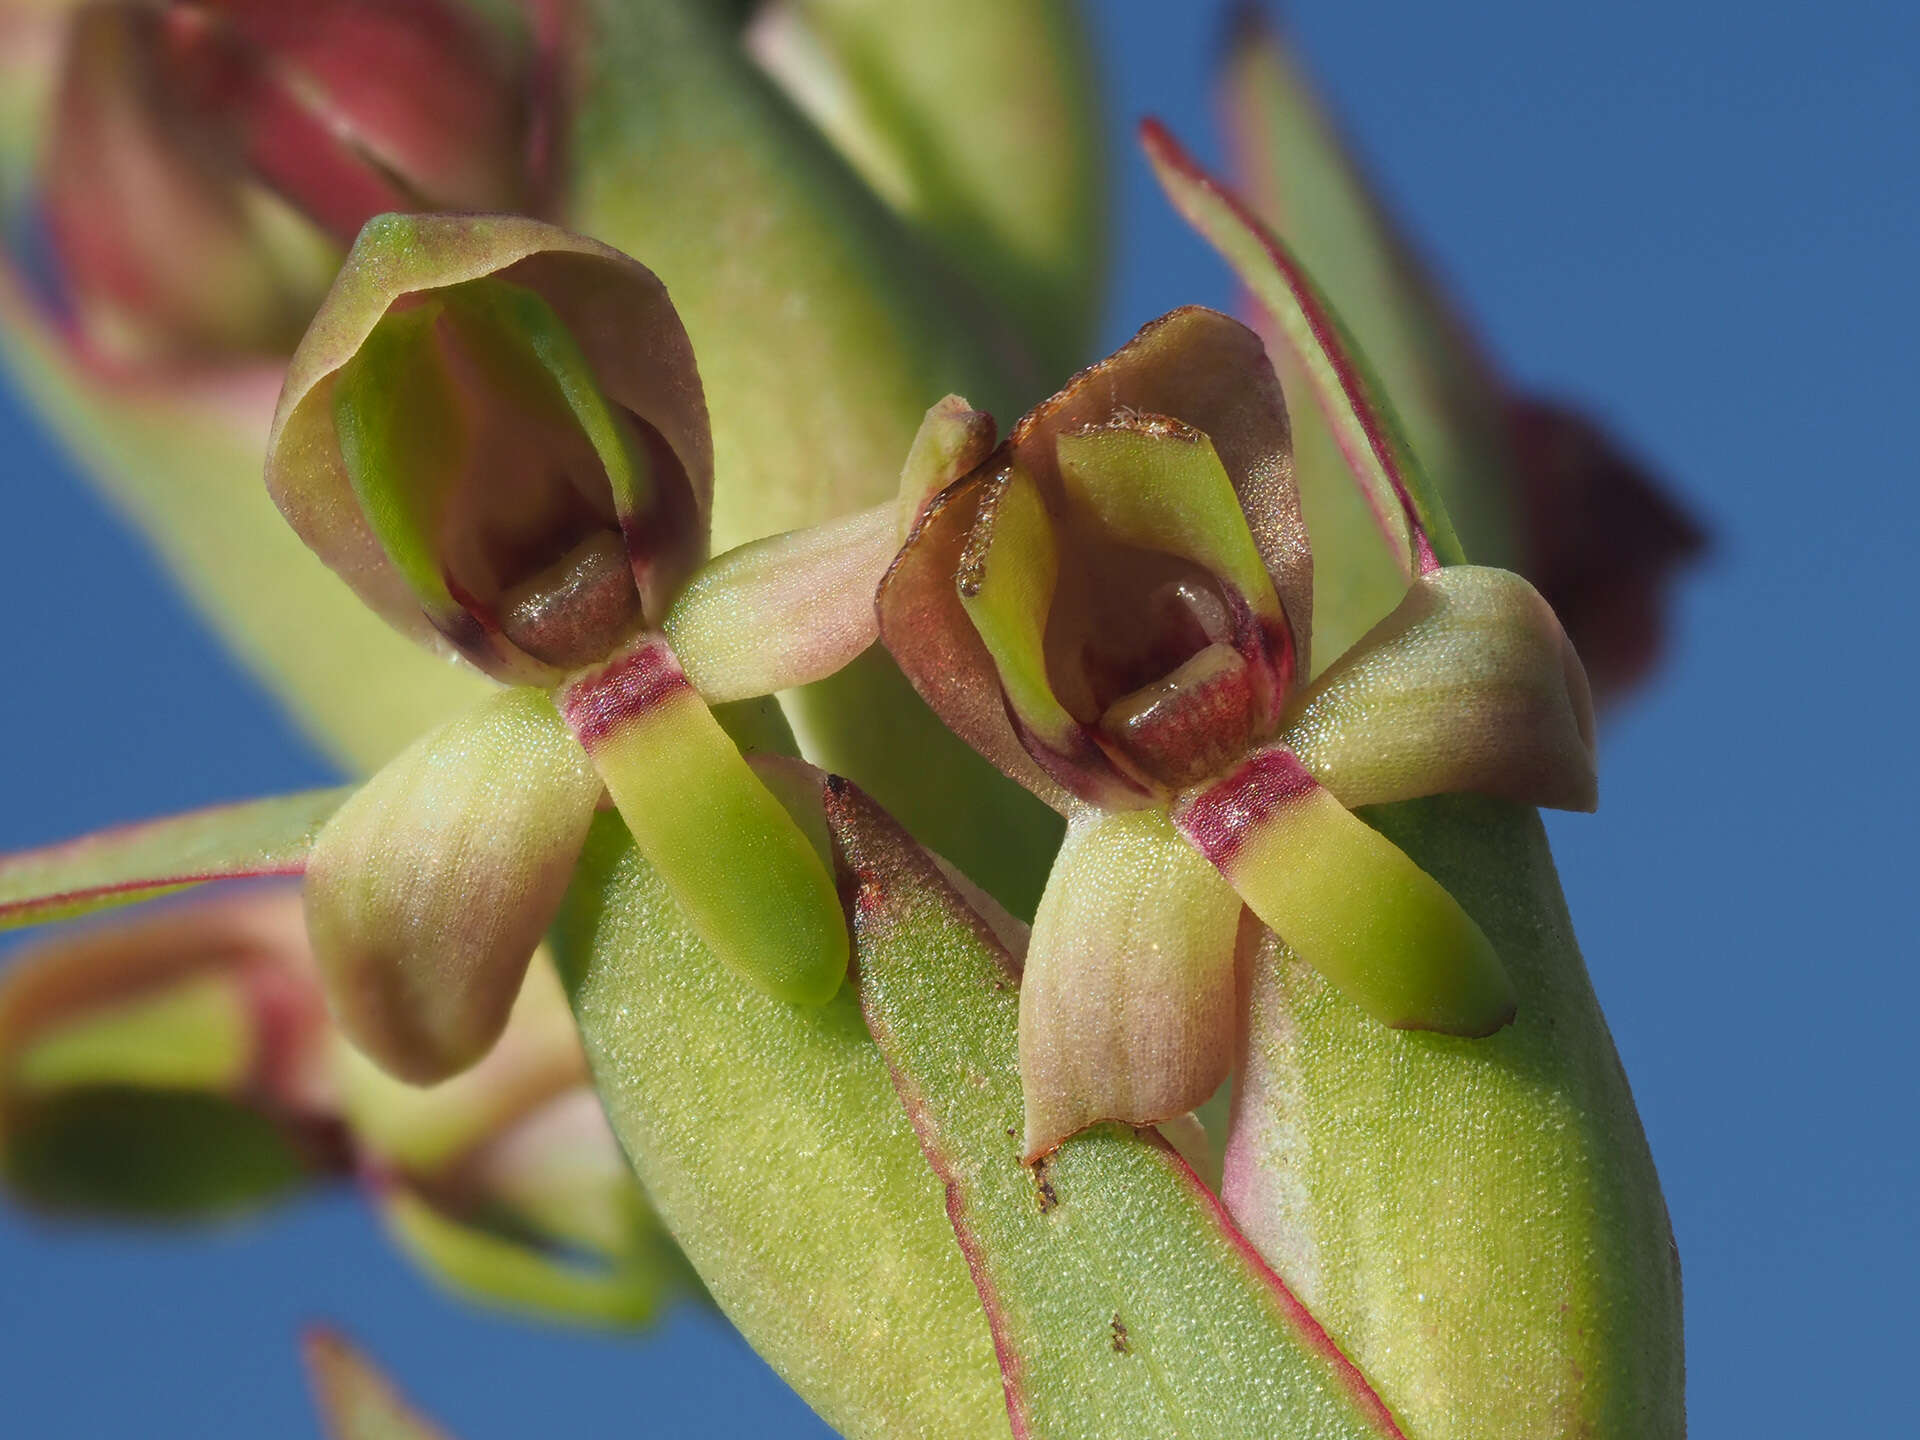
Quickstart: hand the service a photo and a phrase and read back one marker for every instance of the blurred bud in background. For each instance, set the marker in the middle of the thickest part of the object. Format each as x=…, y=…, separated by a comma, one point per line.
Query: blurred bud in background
x=180, y=1066
x=205, y=161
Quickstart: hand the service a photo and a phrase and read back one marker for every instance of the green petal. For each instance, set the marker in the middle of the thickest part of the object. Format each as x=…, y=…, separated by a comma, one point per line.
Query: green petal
x=1157, y=483
x=1356, y=406
x=1347, y=900
x=141, y=861
x=356, y=1401
x=1006, y=586
x=749, y=881
x=1121, y=1300
x=429, y=889
x=1127, y=1003
x=1470, y=685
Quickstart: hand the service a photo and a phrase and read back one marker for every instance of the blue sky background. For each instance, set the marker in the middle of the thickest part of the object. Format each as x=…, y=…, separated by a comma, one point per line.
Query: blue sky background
x=1700, y=219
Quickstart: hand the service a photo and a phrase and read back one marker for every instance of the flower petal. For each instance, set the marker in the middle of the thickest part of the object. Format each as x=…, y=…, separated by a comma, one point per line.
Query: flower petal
x=428, y=891
x=1405, y=505
x=927, y=631
x=951, y=441
x=614, y=309
x=1347, y=900
x=1158, y=483
x=1469, y=685
x=153, y=857
x=1127, y=1002
x=748, y=879
x=784, y=611
x=1211, y=373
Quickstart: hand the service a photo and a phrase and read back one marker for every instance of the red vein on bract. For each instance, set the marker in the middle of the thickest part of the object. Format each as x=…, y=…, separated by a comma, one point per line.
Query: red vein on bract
x=1297, y=1314
x=1166, y=151
x=158, y=884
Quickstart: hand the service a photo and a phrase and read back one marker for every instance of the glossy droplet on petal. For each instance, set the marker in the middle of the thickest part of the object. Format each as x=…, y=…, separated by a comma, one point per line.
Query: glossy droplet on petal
x=1470, y=685
x=748, y=880
x=429, y=889
x=1127, y=1008
x=1347, y=900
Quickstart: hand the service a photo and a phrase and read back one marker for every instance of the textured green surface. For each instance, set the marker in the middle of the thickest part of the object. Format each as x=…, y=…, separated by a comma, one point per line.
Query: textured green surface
x=1123, y=1302
x=1010, y=184
x=1476, y=1221
x=824, y=330
x=138, y=862
x=771, y=1143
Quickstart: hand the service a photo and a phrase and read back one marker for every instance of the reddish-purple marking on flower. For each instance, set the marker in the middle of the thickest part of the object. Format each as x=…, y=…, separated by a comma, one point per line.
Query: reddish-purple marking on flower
x=1219, y=818
x=603, y=702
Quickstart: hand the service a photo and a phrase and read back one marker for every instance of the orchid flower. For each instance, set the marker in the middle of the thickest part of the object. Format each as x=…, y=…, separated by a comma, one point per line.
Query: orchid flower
x=495, y=433
x=1115, y=607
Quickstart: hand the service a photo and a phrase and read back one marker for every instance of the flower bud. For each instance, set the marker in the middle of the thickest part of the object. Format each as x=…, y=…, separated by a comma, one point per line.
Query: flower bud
x=170, y=1068
x=207, y=158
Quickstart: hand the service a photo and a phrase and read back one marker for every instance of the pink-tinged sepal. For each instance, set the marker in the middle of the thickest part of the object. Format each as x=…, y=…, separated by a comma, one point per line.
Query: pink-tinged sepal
x=356, y=1401
x=1347, y=900
x=1127, y=1003
x=749, y=881
x=784, y=611
x=427, y=892
x=1470, y=685
x=495, y=432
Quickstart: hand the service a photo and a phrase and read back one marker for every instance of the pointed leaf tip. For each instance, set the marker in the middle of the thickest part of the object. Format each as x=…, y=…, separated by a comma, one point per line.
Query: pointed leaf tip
x=1401, y=495
x=355, y=1400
